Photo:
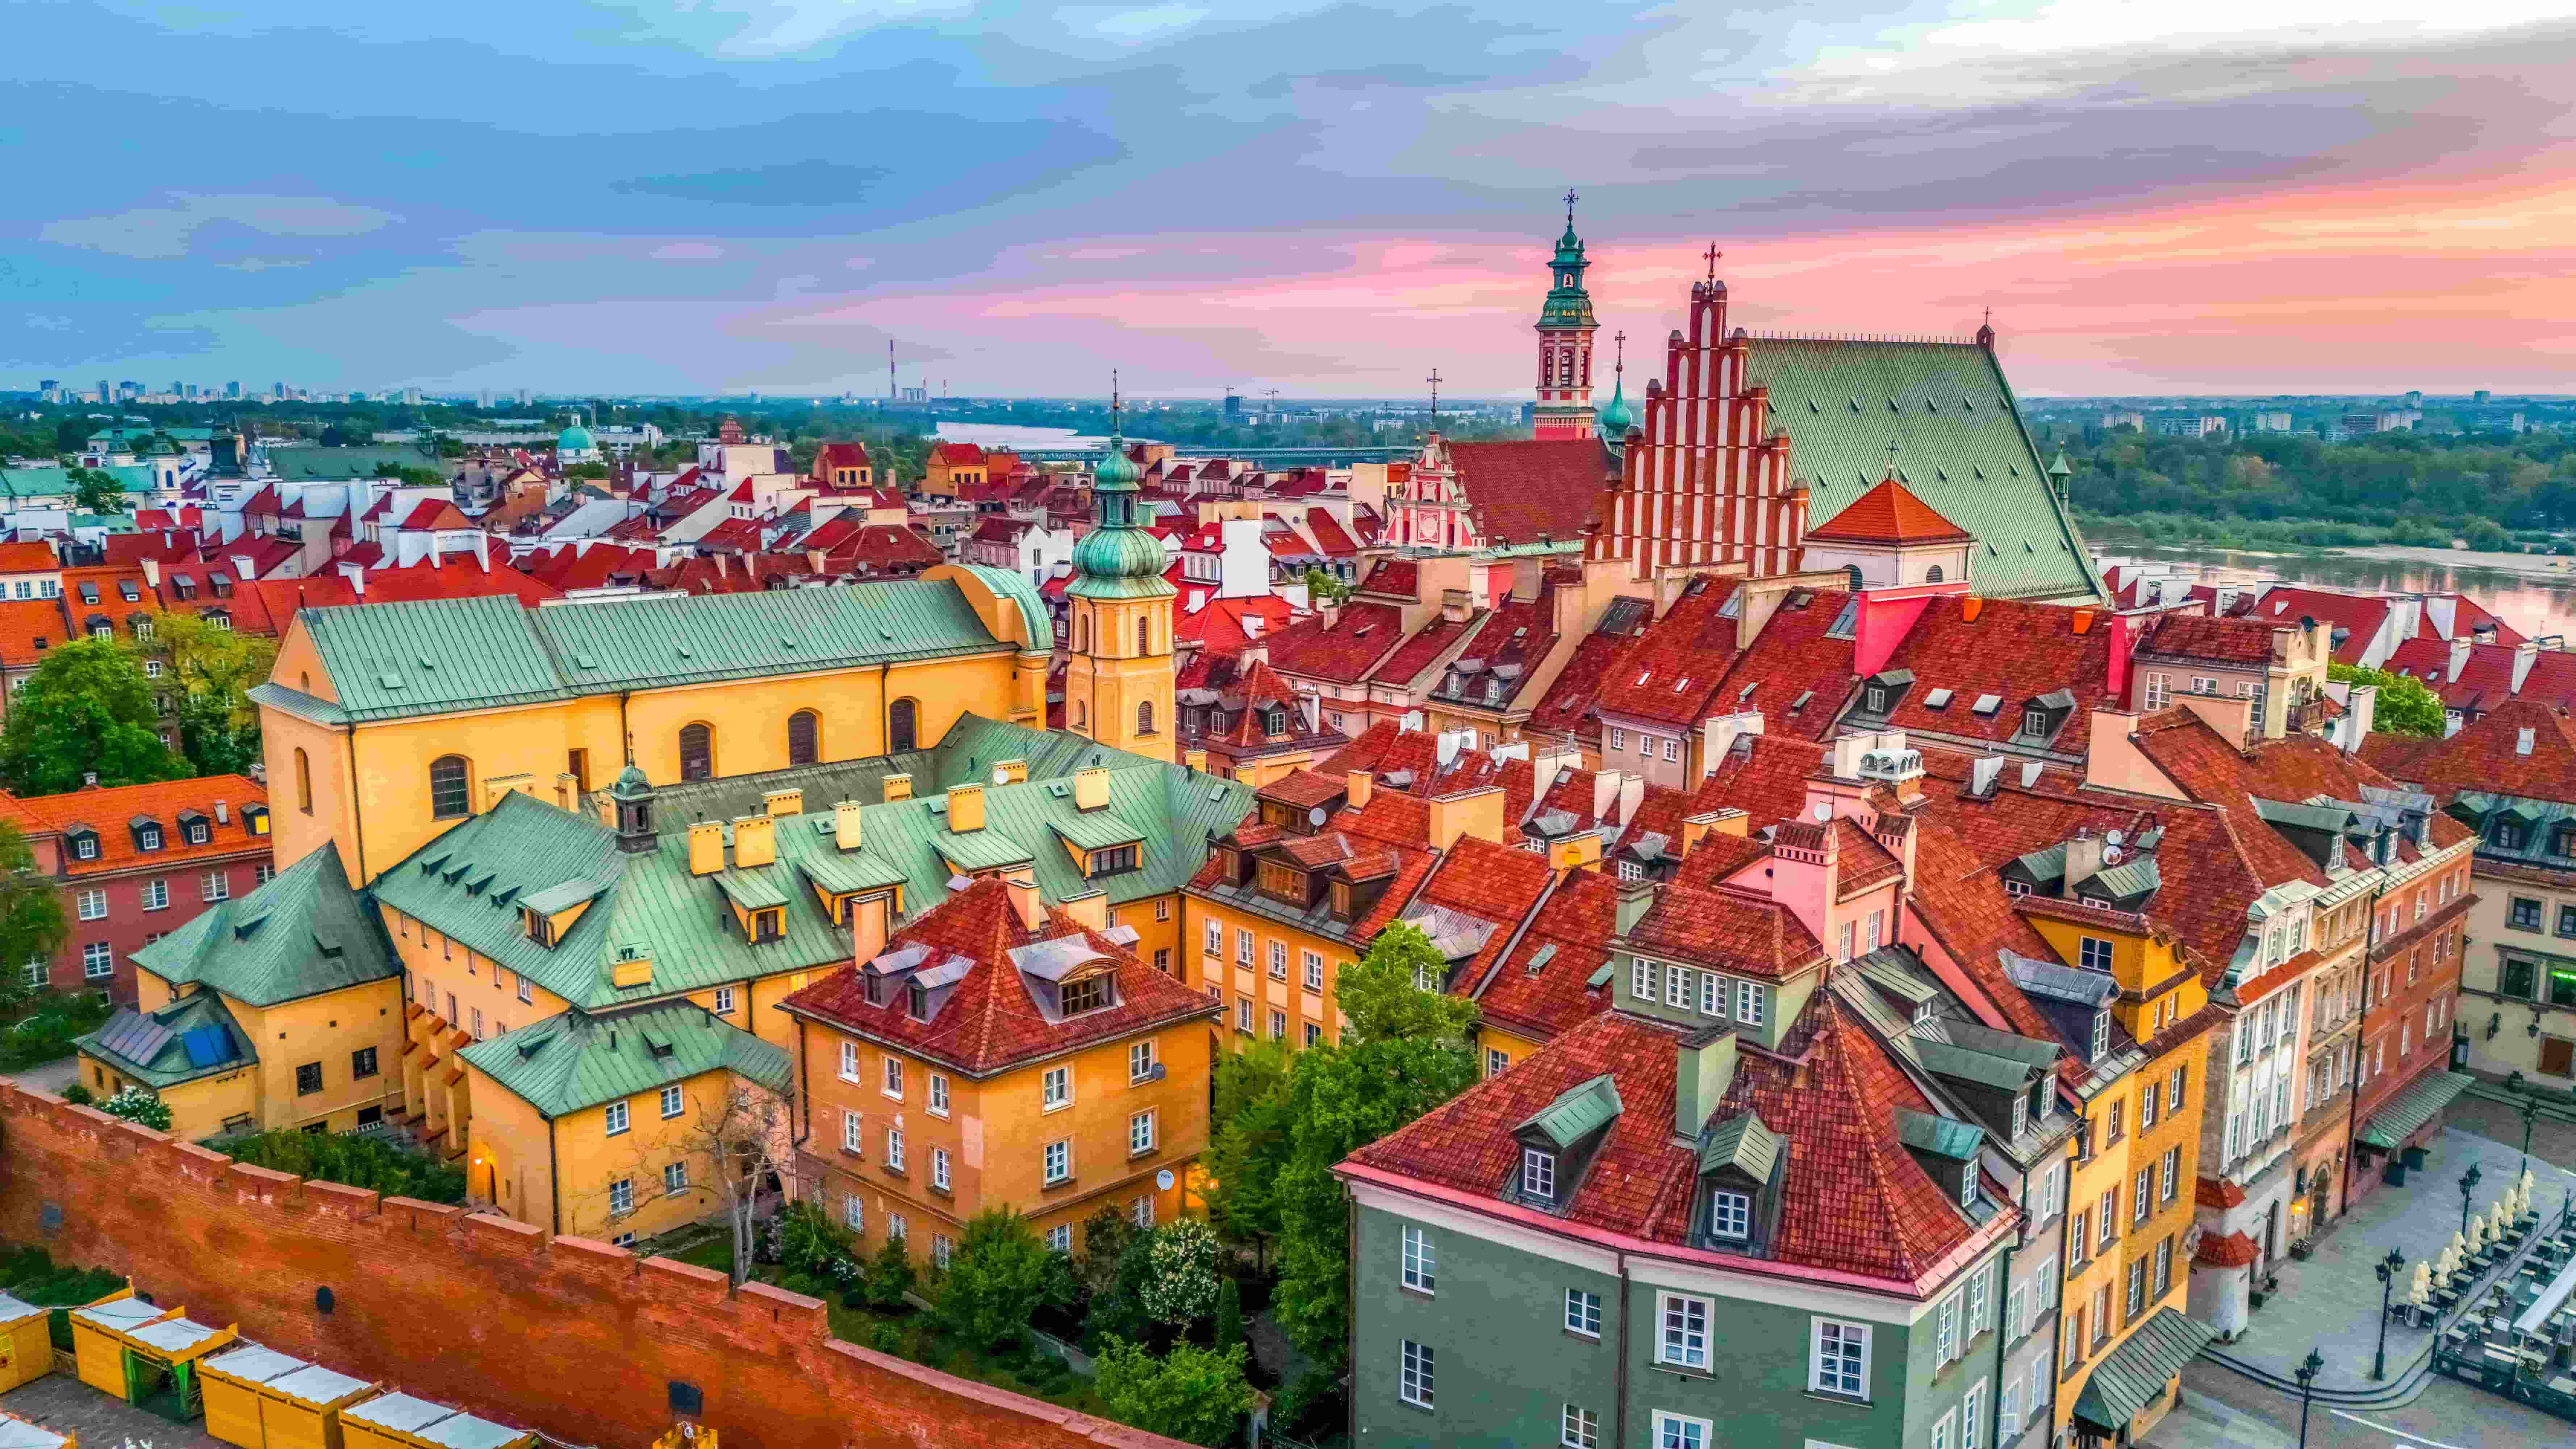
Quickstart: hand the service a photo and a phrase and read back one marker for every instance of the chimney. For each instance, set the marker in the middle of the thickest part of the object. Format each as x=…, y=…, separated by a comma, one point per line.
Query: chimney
x=706, y=847
x=1632, y=793
x=1727, y=821
x=775, y=803
x=2525, y=655
x=1194, y=760
x=755, y=841
x=845, y=824
x=965, y=808
x=1355, y=788
x=1477, y=812
x=2123, y=644
x=868, y=925
x=898, y=787
x=1605, y=792
x=152, y=573
x=223, y=811
x=1636, y=897
x=1718, y=735
x=2029, y=774
x=1024, y=901
x=1090, y=909
x=2459, y=659
x=1091, y=788
x=1703, y=1068
x=2083, y=859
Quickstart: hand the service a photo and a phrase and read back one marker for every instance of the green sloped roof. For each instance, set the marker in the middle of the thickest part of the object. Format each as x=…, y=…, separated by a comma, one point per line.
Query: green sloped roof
x=38, y=482
x=1094, y=830
x=427, y=657
x=1745, y=1143
x=2412, y=1107
x=754, y=890
x=1577, y=1113
x=985, y=849
x=358, y=461
x=649, y=901
x=2134, y=1375
x=1972, y=1066
x=1940, y=1136
x=576, y=1059
x=609, y=645
x=1960, y=447
x=303, y=933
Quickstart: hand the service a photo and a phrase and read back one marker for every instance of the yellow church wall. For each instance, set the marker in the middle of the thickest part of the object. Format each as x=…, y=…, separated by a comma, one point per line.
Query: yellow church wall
x=328, y=1031
x=507, y=1162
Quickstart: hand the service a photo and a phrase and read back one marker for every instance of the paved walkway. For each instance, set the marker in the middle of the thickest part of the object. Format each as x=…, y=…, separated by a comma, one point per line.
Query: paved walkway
x=51, y=1076
x=2202, y=1422
x=100, y=1421
x=2331, y=1301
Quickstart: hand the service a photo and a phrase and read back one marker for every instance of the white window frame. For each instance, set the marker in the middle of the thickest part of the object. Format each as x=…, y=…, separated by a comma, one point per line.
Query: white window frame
x=1682, y=1330
x=1416, y=1375
x=1140, y=1133
x=853, y=1130
x=1583, y=1312
x=1056, y=1161
x=1681, y=1431
x=675, y=1178
x=849, y=1061
x=1838, y=1349
x=621, y=1196
x=1140, y=1063
x=1748, y=1003
x=724, y=1001
x=1730, y=1215
x=616, y=1118
x=1538, y=1173
x=1578, y=1428
x=938, y=1095
x=1419, y=1268
x=894, y=1148
x=893, y=1084
x=1055, y=1088
x=939, y=1168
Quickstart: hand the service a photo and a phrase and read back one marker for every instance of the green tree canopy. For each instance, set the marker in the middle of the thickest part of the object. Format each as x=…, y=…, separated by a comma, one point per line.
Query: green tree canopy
x=31, y=912
x=997, y=1276
x=1249, y=1141
x=410, y=475
x=96, y=490
x=216, y=670
x=2406, y=706
x=85, y=710
x=1192, y=1394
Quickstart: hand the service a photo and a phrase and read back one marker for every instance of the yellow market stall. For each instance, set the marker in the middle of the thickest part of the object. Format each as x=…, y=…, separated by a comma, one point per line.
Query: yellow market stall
x=161, y=1365
x=230, y=1381
x=26, y=1349
x=302, y=1409
x=399, y=1421
x=17, y=1433
x=98, y=1337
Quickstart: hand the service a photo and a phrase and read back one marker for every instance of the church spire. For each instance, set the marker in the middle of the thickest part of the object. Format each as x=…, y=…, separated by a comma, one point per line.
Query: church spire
x=1565, y=328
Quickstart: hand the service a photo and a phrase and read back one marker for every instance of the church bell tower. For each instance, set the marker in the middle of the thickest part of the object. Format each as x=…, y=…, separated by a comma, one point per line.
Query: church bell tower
x=1118, y=686
x=1565, y=328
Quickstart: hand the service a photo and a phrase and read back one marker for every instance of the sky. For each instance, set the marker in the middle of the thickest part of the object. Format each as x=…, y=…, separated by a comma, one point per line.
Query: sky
x=1335, y=198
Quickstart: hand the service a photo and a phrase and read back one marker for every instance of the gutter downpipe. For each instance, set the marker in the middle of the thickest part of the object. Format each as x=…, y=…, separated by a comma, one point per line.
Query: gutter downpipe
x=2003, y=1335
x=357, y=801
x=1619, y=1429
x=554, y=1179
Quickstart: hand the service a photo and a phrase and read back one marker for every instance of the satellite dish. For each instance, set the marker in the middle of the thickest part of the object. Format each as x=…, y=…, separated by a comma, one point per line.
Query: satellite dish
x=2111, y=855
x=1315, y=816
x=2112, y=839
x=1824, y=812
x=1001, y=776
x=1163, y=1180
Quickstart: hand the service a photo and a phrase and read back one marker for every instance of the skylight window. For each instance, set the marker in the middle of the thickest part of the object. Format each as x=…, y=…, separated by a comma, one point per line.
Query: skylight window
x=1986, y=705
x=1937, y=699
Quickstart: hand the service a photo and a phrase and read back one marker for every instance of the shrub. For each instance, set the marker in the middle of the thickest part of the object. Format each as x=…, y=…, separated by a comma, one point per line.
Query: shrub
x=808, y=1240
x=890, y=1276
x=1183, y=1287
x=78, y=1095
x=353, y=1159
x=1229, y=1316
x=886, y=1338
x=995, y=1279
x=138, y=1106
x=1194, y=1394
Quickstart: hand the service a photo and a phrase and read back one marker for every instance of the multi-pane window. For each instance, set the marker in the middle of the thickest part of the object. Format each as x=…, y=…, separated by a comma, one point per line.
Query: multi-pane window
x=2109, y=1224
x=941, y=1248
x=1730, y=1214
x=854, y=1213
x=2008, y=1412
x=1421, y=1261
x=1242, y=946
x=1278, y=1024
x=1140, y=1062
x=894, y=1148
x=1946, y=1334
x=893, y=1078
x=1055, y=1087
x=1677, y=987
x=671, y=1101
x=1314, y=965
x=1583, y=1312
x=1059, y=1239
x=1981, y=1302
x=1748, y=1003
x=1972, y=1409
x=92, y=904
x=621, y=1195
x=1495, y=1061
x=1538, y=1173
x=1712, y=994
x=675, y=1178
x=2137, y=1297
x=1839, y=1360
x=616, y=1118
x=2140, y=1201
x=1059, y=1161
x=1683, y=1341
x=849, y=1061
x=1414, y=1383
x=308, y=1079
x=939, y=1168
x=850, y=1129
x=1672, y=1431
x=1580, y=1428
x=1140, y=1134
x=938, y=1095
x=1641, y=980
x=2015, y=1311
x=2164, y=1265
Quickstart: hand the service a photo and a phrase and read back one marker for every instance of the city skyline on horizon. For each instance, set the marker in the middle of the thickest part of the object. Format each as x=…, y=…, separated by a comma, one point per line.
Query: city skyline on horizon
x=2207, y=203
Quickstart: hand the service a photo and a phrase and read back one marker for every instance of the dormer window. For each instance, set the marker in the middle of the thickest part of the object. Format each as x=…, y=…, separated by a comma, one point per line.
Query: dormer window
x=1285, y=881
x=148, y=838
x=1968, y=1187
x=2509, y=835
x=84, y=847
x=2020, y=1114
x=1876, y=699
x=198, y=832
x=1091, y=993
x=2034, y=721
x=541, y=929
x=1117, y=860
x=1538, y=1174
x=1730, y=1215
x=916, y=1001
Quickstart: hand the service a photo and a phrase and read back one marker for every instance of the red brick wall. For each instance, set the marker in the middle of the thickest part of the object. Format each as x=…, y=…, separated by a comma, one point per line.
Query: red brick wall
x=572, y=1337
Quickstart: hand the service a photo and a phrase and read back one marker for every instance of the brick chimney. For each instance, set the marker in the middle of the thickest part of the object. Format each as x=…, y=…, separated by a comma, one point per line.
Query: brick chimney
x=1024, y=901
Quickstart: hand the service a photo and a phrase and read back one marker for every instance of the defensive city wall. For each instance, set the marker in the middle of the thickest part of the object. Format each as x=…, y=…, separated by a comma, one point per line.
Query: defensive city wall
x=577, y=1338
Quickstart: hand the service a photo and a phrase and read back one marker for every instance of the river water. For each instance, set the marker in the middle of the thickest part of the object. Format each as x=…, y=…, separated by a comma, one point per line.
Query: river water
x=2535, y=595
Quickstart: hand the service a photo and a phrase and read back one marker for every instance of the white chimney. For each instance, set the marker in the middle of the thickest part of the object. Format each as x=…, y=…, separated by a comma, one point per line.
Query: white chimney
x=2029, y=773
x=223, y=813
x=1982, y=773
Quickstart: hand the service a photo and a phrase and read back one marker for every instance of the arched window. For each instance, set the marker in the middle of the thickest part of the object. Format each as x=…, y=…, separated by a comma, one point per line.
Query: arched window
x=1934, y=576
x=1144, y=634
x=1145, y=718
x=303, y=782
x=447, y=796
x=1082, y=632
x=1081, y=715
x=804, y=727
x=697, y=752
x=900, y=717
x=1851, y=573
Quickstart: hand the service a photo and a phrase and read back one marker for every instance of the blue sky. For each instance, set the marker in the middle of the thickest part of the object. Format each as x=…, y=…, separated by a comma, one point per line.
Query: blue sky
x=1320, y=198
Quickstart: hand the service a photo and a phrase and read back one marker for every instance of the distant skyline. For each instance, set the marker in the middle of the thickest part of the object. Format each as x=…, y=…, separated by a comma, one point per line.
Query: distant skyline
x=1324, y=198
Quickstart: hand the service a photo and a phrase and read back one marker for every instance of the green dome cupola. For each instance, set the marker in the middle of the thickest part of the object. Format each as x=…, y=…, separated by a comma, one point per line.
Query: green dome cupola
x=1616, y=416
x=1118, y=558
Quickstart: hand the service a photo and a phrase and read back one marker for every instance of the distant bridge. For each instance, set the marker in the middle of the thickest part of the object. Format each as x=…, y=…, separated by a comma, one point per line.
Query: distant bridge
x=1267, y=457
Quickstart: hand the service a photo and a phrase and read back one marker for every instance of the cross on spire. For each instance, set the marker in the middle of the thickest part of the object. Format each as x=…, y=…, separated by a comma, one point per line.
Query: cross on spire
x=1619, y=341
x=1891, y=458
x=1434, y=380
x=1570, y=199
x=1712, y=254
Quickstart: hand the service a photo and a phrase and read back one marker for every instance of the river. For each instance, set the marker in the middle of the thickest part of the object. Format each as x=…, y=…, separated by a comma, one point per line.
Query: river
x=2534, y=594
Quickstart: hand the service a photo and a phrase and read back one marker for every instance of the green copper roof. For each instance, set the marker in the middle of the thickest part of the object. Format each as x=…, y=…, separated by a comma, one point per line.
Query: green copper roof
x=1115, y=470
x=181, y=1041
x=294, y=464
x=1616, y=416
x=1117, y=556
x=1744, y=1143
x=1577, y=1113
x=303, y=933
x=387, y=661
x=465, y=884
x=2135, y=1374
x=1940, y=1136
x=1960, y=447
x=2412, y=1107
x=577, y=1059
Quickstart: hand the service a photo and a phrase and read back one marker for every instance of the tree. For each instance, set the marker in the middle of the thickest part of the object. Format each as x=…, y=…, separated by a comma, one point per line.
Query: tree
x=1106, y=1236
x=216, y=670
x=1183, y=1287
x=1227, y=1332
x=96, y=490
x=997, y=1275
x=410, y=475
x=31, y=913
x=890, y=1274
x=1323, y=588
x=1406, y=1051
x=597, y=472
x=138, y=1106
x=1249, y=1142
x=86, y=710
x=2405, y=707
x=1191, y=1394
x=742, y=1135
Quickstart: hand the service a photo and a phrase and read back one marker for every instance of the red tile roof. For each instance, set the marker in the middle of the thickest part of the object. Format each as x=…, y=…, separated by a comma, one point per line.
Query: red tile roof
x=2487, y=755
x=109, y=811
x=457, y=577
x=1341, y=650
x=435, y=513
x=1521, y=490
x=2244, y=643
x=2015, y=650
x=956, y=454
x=990, y=1021
x=1728, y=930
x=829, y=456
x=2358, y=615
x=1493, y=883
x=1330, y=540
x=26, y=623
x=1538, y=993
x=1889, y=513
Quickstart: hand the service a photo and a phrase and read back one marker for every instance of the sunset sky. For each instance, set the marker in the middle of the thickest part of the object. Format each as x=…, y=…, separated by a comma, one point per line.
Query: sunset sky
x=1326, y=199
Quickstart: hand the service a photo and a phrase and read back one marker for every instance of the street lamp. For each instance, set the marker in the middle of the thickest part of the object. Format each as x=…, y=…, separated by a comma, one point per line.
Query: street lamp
x=2306, y=1374
x=2530, y=1109
x=2468, y=1184
x=2387, y=1268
